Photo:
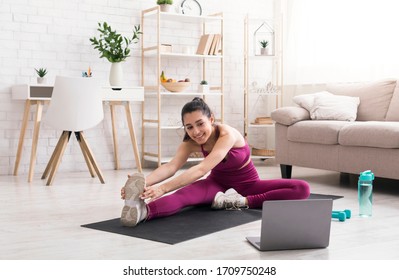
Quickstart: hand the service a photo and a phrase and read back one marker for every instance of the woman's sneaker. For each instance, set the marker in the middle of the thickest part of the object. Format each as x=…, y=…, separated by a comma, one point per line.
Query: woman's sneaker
x=135, y=209
x=230, y=200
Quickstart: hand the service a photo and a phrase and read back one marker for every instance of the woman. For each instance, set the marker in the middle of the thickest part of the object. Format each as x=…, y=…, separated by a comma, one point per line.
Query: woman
x=233, y=181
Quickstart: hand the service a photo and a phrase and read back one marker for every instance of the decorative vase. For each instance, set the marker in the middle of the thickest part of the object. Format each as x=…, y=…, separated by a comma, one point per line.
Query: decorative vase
x=41, y=80
x=166, y=8
x=116, y=74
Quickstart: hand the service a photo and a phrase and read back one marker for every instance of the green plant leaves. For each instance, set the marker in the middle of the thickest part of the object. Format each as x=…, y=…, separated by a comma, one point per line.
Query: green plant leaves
x=41, y=72
x=112, y=45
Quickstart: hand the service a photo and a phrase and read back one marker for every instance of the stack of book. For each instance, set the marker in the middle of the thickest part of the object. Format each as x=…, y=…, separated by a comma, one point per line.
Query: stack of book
x=263, y=120
x=210, y=44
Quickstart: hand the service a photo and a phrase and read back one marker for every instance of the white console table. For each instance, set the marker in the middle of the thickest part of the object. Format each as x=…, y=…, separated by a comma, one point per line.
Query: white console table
x=41, y=94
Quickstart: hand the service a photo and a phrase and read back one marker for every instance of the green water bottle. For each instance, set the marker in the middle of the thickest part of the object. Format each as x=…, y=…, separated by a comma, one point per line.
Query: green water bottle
x=365, y=193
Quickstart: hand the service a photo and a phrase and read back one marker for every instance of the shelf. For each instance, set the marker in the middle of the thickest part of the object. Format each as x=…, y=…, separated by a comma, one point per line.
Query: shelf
x=151, y=52
x=163, y=127
x=157, y=57
x=261, y=157
x=166, y=93
x=252, y=91
x=261, y=125
x=271, y=57
x=182, y=17
x=167, y=159
x=269, y=86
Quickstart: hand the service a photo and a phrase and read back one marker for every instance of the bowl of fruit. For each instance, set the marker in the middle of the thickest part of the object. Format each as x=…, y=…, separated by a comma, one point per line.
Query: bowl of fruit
x=173, y=85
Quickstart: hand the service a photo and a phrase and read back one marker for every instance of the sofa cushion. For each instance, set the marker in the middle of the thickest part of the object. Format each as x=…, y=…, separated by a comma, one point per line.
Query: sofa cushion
x=374, y=97
x=370, y=134
x=317, y=132
x=334, y=107
x=393, y=110
x=306, y=101
x=289, y=115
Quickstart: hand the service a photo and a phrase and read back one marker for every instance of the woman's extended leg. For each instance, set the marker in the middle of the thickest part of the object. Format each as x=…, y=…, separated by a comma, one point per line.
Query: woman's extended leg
x=278, y=189
x=199, y=192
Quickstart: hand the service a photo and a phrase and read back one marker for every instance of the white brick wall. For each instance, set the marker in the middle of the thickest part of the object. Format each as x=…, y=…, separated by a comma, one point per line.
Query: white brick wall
x=55, y=34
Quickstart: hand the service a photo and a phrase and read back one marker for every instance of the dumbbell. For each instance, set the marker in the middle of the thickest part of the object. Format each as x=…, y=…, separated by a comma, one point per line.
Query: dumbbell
x=348, y=213
x=341, y=215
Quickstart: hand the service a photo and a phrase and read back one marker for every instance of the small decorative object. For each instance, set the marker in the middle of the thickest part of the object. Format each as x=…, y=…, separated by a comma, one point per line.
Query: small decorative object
x=203, y=87
x=87, y=74
x=268, y=89
x=187, y=50
x=191, y=7
x=114, y=47
x=165, y=5
x=264, y=33
x=264, y=44
x=165, y=48
x=41, y=72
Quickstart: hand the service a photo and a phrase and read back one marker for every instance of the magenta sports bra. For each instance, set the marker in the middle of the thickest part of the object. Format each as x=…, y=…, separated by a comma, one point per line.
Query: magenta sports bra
x=234, y=159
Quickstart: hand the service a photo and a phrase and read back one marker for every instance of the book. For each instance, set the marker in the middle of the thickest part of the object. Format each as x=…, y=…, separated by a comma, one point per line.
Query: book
x=205, y=44
x=213, y=45
x=218, y=48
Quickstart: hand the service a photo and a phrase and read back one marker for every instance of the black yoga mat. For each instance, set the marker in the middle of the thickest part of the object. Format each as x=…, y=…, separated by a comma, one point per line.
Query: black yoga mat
x=190, y=223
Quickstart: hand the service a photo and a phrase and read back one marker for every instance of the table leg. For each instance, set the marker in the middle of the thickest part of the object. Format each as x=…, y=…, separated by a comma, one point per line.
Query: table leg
x=35, y=139
x=22, y=136
x=133, y=135
x=114, y=136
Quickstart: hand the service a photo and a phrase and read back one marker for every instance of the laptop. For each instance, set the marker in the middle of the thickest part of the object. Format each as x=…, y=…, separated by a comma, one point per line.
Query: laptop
x=294, y=224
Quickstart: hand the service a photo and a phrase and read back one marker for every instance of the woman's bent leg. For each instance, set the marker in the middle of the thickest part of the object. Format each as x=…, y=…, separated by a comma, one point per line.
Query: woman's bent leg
x=278, y=189
x=199, y=192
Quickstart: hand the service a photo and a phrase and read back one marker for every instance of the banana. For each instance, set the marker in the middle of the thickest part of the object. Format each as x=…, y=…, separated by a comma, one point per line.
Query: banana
x=163, y=78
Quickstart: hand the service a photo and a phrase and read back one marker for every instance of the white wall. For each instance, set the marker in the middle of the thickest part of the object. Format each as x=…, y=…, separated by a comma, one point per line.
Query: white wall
x=55, y=34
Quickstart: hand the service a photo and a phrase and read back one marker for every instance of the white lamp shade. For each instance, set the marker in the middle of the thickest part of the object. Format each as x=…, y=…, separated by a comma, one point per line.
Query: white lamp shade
x=76, y=104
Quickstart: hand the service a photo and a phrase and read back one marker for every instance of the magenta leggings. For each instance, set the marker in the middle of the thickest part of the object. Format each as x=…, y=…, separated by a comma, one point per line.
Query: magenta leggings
x=203, y=192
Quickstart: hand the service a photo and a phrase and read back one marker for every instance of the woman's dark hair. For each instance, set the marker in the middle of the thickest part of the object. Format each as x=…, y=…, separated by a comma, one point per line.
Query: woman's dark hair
x=197, y=104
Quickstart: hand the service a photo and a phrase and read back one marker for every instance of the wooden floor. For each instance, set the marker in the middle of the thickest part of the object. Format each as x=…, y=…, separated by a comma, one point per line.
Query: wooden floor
x=41, y=222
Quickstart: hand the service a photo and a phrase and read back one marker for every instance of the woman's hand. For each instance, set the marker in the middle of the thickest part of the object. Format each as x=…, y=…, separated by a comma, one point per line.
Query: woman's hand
x=152, y=192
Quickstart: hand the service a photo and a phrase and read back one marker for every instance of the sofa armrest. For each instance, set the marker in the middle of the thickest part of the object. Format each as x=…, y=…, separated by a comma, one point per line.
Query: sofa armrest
x=290, y=115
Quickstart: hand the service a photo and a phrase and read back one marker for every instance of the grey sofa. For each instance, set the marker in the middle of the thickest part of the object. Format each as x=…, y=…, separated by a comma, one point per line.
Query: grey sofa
x=369, y=142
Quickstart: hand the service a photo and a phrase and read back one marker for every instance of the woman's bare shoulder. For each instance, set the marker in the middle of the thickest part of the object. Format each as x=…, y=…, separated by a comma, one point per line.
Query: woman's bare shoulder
x=227, y=130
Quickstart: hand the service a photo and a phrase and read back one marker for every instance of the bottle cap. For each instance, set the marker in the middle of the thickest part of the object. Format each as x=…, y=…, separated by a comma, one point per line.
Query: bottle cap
x=366, y=175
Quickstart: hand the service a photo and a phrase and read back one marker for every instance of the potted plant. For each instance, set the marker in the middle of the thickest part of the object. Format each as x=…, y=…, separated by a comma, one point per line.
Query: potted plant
x=115, y=48
x=264, y=44
x=203, y=86
x=41, y=72
x=165, y=5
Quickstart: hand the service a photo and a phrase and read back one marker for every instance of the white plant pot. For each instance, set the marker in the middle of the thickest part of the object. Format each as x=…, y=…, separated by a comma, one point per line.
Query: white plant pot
x=264, y=51
x=203, y=88
x=116, y=74
x=166, y=8
x=41, y=80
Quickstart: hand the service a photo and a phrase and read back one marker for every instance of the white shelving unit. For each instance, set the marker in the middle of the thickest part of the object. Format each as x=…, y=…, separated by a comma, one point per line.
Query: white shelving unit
x=156, y=108
x=263, y=90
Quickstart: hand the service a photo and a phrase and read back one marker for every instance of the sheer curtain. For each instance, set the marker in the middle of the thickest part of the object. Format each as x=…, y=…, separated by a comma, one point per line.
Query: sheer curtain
x=340, y=40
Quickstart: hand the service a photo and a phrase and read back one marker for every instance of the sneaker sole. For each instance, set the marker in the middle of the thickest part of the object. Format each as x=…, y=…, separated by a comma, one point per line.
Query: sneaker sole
x=214, y=202
x=133, y=188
